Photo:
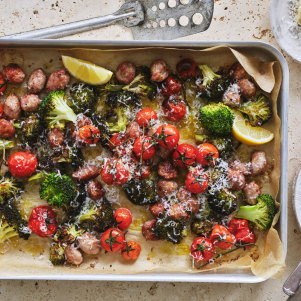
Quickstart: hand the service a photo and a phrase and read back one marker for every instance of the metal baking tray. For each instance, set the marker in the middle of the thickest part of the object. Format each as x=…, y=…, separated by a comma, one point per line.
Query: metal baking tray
x=262, y=51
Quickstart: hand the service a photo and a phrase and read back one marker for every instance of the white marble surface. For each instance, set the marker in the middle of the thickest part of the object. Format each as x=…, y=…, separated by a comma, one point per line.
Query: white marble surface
x=246, y=20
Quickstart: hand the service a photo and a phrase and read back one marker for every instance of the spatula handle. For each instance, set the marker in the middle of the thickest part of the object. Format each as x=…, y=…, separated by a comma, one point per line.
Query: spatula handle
x=292, y=283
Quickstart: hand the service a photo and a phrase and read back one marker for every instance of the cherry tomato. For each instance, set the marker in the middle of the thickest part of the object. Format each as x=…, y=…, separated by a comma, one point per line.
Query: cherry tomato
x=184, y=155
x=22, y=165
x=89, y=134
x=167, y=136
x=171, y=86
x=206, y=154
x=245, y=236
x=3, y=84
x=118, y=143
x=1, y=110
x=123, y=218
x=114, y=172
x=42, y=221
x=236, y=225
x=174, y=108
x=131, y=250
x=202, y=249
x=186, y=68
x=145, y=117
x=142, y=171
x=112, y=240
x=197, y=181
x=144, y=147
x=221, y=237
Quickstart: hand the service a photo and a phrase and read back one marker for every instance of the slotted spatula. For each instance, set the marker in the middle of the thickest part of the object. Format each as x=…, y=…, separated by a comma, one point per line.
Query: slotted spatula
x=148, y=19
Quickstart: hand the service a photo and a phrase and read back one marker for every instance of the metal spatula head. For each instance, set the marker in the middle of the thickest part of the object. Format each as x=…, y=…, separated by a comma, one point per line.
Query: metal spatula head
x=170, y=19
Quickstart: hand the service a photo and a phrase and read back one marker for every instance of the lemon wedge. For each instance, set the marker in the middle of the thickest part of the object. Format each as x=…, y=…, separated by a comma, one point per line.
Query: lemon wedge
x=86, y=71
x=247, y=134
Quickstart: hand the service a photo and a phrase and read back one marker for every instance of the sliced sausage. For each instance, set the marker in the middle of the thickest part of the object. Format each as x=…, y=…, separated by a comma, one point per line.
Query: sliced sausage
x=30, y=102
x=252, y=191
x=258, y=163
x=86, y=173
x=166, y=187
x=159, y=71
x=148, y=230
x=236, y=179
x=36, y=81
x=231, y=97
x=13, y=73
x=244, y=168
x=156, y=209
x=133, y=130
x=125, y=72
x=95, y=190
x=12, y=107
x=177, y=211
x=166, y=170
x=164, y=153
x=55, y=137
x=58, y=80
x=238, y=71
x=247, y=88
x=73, y=255
x=190, y=201
x=7, y=130
x=89, y=243
x=82, y=120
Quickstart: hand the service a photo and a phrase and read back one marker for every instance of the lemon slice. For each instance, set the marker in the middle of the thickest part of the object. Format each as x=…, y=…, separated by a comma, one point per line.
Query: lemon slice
x=247, y=134
x=86, y=71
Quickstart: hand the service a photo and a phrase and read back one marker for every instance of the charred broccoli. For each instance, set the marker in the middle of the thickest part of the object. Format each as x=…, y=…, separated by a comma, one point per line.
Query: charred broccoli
x=202, y=227
x=224, y=203
x=261, y=214
x=6, y=231
x=30, y=129
x=258, y=111
x=9, y=188
x=67, y=233
x=57, y=253
x=217, y=118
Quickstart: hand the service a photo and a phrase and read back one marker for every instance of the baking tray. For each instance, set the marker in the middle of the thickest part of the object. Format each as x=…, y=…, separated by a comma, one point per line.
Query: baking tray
x=260, y=50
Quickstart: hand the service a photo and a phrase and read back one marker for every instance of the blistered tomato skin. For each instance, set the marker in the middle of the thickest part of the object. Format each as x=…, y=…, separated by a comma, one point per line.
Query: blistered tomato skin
x=144, y=147
x=197, y=181
x=202, y=249
x=131, y=250
x=174, y=108
x=167, y=136
x=184, y=155
x=186, y=68
x=114, y=172
x=123, y=218
x=89, y=134
x=171, y=86
x=207, y=154
x=221, y=237
x=145, y=117
x=112, y=240
x=22, y=165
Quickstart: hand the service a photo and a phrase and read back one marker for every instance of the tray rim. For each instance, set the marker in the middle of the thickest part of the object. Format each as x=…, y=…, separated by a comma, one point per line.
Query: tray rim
x=282, y=105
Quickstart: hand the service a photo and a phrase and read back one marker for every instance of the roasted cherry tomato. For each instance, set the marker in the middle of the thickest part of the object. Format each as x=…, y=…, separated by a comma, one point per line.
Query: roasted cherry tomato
x=202, y=249
x=114, y=172
x=145, y=117
x=186, y=68
x=118, y=143
x=236, y=225
x=89, y=134
x=174, y=108
x=3, y=83
x=112, y=240
x=184, y=155
x=142, y=171
x=206, y=154
x=123, y=218
x=131, y=250
x=221, y=237
x=197, y=181
x=42, y=221
x=171, y=86
x=167, y=136
x=1, y=110
x=144, y=147
x=245, y=236
x=22, y=165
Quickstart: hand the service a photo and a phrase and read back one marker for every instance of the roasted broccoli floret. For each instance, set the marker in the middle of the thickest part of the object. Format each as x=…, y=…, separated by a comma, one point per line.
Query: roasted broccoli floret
x=54, y=111
x=30, y=129
x=82, y=98
x=9, y=188
x=224, y=203
x=4, y=145
x=6, y=231
x=68, y=233
x=57, y=189
x=261, y=214
x=213, y=85
x=57, y=253
x=168, y=229
x=258, y=111
x=202, y=227
x=217, y=118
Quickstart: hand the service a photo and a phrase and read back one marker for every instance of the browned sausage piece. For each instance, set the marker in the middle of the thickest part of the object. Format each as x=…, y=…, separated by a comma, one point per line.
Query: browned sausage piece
x=244, y=168
x=55, y=137
x=166, y=170
x=258, y=163
x=82, y=120
x=73, y=255
x=177, y=211
x=164, y=153
x=13, y=73
x=159, y=71
x=156, y=209
x=95, y=190
x=36, y=81
x=247, y=88
x=238, y=71
x=30, y=102
x=125, y=72
x=7, y=130
x=148, y=230
x=190, y=202
x=12, y=107
x=231, y=97
x=166, y=187
x=89, y=243
x=133, y=130
x=86, y=172
x=58, y=80
x=237, y=180
x=252, y=191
